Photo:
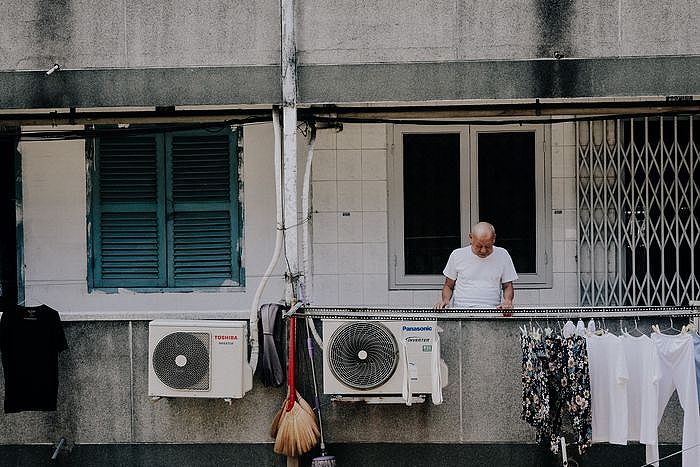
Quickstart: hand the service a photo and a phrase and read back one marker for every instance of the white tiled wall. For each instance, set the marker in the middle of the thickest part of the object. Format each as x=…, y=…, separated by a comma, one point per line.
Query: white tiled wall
x=350, y=222
x=350, y=216
x=565, y=285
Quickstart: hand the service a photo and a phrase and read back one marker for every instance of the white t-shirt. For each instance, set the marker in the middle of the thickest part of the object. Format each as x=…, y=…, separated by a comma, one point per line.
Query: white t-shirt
x=642, y=388
x=478, y=280
x=608, y=371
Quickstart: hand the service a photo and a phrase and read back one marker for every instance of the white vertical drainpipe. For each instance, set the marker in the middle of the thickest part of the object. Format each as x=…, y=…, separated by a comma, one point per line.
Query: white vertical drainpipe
x=306, y=250
x=289, y=114
x=253, y=337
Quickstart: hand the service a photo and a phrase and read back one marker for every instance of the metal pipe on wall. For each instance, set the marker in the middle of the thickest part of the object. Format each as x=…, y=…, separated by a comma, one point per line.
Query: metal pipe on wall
x=289, y=122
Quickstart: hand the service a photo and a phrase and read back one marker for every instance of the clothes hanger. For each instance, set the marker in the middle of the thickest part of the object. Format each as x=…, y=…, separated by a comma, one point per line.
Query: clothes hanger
x=670, y=327
x=635, y=328
x=523, y=330
x=657, y=328
x=590, y=327
x=600, y=327
x=548, y=330
x=689, y=328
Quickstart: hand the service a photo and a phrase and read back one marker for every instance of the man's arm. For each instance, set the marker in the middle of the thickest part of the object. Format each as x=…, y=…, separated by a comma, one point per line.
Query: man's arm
x=447, y=290
x=508, y=294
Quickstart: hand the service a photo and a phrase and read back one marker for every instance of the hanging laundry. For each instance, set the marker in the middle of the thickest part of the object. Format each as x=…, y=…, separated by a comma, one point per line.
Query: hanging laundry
x=569, y=329
x=591, y=326
x=609, y=376
x=677, y=362
x=580, y=328
x=555, y=383
x=696, y=341
x=644, y=373
x=30, y=340
x=535, y=381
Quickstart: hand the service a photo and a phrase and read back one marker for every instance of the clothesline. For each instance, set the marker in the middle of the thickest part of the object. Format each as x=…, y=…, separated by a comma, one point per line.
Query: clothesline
x=386, y=313
x=653, y=463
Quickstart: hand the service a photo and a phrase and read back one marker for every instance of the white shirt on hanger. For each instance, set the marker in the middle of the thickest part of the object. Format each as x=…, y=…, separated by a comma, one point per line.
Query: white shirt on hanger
x=608, y=373
x=642, y=387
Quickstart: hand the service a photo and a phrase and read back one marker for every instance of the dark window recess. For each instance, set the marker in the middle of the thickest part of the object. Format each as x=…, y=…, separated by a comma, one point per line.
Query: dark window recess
x=431, y=201
x=507, y=193
x=8, y=243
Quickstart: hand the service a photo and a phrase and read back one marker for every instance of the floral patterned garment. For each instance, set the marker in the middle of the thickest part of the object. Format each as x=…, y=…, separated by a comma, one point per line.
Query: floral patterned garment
x=535, y=382
x=556, y=382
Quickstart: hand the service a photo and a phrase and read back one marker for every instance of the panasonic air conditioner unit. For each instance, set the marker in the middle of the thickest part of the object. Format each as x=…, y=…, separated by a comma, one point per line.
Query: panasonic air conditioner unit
x=198, y=359
x=382, y=361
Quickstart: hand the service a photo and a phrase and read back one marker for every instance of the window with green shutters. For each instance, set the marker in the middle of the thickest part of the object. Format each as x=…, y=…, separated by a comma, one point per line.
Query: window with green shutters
x=165, y=211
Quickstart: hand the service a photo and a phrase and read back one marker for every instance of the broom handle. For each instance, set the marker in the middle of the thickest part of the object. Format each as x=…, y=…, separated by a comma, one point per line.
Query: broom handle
x=292, y=341
x=317, y=402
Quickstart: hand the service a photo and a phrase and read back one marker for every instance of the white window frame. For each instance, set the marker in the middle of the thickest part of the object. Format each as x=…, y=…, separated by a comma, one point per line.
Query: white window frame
x=469, y=214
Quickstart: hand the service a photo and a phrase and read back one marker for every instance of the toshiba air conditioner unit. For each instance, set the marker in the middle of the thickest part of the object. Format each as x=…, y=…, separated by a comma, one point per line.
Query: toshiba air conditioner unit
x=383, y=361
x=198, y=359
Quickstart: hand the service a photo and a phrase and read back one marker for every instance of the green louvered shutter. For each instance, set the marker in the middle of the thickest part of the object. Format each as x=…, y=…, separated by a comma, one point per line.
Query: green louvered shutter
x=129, y=227
x=203, y=217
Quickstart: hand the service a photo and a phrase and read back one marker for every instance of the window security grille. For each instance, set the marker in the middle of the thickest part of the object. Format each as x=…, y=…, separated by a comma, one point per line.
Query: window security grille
x=638, y=201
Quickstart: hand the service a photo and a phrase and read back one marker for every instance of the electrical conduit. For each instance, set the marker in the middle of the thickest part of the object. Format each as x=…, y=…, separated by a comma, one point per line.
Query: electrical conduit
x=253, y=338
x=306, y=216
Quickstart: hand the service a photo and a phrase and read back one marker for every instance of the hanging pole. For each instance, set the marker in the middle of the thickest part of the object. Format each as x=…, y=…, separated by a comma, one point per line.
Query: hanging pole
x=379, y=313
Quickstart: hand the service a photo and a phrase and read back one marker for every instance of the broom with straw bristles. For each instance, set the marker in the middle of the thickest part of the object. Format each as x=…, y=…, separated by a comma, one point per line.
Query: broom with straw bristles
x=297, y=430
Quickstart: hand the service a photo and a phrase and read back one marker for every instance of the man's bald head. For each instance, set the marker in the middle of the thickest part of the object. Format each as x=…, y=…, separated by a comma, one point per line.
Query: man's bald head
x=483, y=229
x=482, y=238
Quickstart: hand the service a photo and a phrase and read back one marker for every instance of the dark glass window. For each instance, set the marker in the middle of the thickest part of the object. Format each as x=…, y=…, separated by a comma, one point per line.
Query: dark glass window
x=431, y=200
x=507, y=193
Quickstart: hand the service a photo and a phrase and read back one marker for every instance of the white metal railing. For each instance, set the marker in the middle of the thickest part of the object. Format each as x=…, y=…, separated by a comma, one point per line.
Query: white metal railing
x=418, y=314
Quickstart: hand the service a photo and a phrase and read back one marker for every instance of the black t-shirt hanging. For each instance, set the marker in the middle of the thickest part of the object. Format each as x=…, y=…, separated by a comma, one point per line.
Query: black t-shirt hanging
x=30, y=340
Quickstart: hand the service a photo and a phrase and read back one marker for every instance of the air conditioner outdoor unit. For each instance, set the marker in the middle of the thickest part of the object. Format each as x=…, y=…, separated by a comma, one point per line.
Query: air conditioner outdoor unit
x=383, y=361
x=198, y=359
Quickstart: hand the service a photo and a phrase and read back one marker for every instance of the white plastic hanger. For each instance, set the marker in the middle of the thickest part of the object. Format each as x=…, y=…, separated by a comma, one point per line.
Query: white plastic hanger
x=635, y=328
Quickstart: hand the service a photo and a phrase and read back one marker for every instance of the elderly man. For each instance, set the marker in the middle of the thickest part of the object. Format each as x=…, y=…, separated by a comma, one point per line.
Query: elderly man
x=476, y=274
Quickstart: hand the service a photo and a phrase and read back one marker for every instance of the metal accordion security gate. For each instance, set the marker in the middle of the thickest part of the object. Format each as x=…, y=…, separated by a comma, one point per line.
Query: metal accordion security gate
x=638, y=205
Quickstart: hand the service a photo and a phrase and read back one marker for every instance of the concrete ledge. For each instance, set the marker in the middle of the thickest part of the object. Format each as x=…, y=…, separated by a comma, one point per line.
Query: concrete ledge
x=361, y=83
x=500, y=79
x=151, y=315
x=139, y=87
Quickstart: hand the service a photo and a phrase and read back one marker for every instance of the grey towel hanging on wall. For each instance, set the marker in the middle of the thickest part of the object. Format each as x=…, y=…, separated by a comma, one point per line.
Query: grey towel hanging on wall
x=271, y=338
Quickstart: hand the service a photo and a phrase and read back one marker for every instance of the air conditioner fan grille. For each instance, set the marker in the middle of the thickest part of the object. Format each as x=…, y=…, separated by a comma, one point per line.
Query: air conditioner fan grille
x=363, y=355
x=181, y=360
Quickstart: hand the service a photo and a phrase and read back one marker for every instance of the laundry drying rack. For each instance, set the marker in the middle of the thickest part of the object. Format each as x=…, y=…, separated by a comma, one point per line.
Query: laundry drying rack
x=459, y=314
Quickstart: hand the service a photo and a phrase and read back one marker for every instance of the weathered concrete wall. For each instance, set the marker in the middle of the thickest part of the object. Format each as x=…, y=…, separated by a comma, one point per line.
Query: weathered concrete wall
x=103, y=398
x=113, y=34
